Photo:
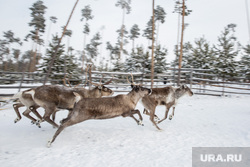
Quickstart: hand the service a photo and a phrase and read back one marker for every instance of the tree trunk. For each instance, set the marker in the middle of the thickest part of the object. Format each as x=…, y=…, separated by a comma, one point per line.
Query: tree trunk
x=122, y=31
x=33, y=60
x=152, y=59
x=56, y=50
x=182, y=35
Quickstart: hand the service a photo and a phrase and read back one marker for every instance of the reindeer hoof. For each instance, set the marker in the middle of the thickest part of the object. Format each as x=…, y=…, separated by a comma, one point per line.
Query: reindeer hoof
x=49, y=144
x=170, y=117
x=140, y=123
x=16, y=120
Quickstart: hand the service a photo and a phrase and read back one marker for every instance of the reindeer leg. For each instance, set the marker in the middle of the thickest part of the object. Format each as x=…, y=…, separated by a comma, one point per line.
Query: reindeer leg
x=46, y=117
x=65, y=123
x=139, y=114
x=40, y=119
x=26, y=113
x=156, y=118
x=129, y=114
x=171, y=116
x=152, y=113
x=166, y=115
x=16, y=106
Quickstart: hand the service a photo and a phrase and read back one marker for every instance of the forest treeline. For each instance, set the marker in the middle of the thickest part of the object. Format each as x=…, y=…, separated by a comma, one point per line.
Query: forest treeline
x=227, y=57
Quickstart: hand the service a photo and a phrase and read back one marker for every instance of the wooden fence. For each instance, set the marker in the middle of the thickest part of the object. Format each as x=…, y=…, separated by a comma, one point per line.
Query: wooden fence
x=202, y=82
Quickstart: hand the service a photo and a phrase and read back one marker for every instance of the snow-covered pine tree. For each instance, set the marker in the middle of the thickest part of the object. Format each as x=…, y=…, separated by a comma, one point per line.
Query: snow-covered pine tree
x=58, y=66
x=92, y=49
x=161, y=64
x=134, y=33
x=245, y=63
x=201, y=55
x=134, y=62
x=115, y=50
x=226, y=51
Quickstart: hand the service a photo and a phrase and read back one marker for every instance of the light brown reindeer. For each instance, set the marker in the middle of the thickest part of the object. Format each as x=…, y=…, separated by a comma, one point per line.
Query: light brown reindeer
x=27, y=101
x=105, y=108
x=55, y=97
x=167, y=96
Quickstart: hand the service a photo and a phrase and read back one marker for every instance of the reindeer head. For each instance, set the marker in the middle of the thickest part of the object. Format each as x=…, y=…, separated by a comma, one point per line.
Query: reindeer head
x=138, y=88
x=105, y=91
x=186, y=90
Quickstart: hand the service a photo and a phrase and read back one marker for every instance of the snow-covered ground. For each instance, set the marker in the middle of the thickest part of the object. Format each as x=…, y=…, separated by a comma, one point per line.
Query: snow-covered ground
x=204, y=121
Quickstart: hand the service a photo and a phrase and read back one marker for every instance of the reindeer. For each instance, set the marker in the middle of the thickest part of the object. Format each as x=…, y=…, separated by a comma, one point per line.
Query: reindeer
x=167, y=96
x=105, y=108
x=55, y=97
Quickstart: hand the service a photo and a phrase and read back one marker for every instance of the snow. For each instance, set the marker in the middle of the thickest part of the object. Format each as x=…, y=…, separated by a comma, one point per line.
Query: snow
x=199, y=121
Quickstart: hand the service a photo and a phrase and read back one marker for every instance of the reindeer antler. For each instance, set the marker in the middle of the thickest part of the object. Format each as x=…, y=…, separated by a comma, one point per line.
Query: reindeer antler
x=108, y=82
x=64, y=81
x=132, y=79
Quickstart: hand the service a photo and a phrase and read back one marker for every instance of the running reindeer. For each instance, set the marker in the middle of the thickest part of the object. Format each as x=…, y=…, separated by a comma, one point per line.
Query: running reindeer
x=105, y=108
x=55, y=97
x=167, y=96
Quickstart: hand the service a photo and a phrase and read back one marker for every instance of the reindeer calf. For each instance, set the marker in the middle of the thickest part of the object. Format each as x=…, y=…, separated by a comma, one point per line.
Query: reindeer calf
x=167, y=96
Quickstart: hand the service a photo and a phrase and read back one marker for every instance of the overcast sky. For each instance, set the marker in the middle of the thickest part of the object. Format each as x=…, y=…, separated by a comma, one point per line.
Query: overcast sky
x=209, y=17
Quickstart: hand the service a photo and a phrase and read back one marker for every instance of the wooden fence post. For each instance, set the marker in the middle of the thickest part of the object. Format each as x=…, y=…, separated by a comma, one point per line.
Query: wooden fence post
x=191, y=78
x=90, y=74
x=20, y=86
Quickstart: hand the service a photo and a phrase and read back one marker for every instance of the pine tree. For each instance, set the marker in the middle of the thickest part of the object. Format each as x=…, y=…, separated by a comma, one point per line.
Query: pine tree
x=134, y=61
x=134, y=33
x=122, y=38
x=53, y=20
x=92, y=48
x=160, y=15
x=245, y=63
x=200, y=56
x=160, y=59
x=148, y=31
x=125, y=5
x=86, y=15
x=226, y=51
x=58, y=66
x=9, y=40
x=38, y=22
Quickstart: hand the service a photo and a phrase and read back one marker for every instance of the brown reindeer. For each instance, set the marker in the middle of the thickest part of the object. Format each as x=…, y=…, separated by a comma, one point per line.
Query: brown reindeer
x=55, y=97
x=105, y=108
x=167, y=96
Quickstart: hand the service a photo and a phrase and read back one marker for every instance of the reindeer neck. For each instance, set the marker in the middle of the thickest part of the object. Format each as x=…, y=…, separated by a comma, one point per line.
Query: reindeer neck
x=134, y=97
x=95, y=93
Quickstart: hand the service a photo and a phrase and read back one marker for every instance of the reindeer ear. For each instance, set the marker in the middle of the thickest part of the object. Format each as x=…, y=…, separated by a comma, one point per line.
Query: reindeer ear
x=77, y=97
x=183, y=86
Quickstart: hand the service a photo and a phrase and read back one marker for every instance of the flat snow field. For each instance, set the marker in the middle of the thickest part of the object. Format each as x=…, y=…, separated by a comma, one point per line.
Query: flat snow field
x=199, y=121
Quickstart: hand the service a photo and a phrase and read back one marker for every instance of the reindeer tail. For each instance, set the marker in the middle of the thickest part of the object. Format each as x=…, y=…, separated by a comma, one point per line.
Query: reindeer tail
x=31, y=92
